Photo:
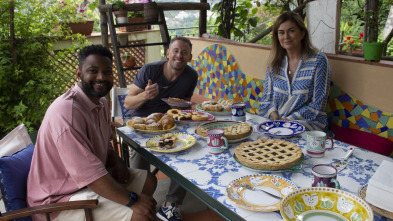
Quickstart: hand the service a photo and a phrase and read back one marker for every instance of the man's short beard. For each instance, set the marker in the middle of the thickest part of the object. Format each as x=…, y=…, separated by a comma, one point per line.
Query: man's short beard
x=88, y=89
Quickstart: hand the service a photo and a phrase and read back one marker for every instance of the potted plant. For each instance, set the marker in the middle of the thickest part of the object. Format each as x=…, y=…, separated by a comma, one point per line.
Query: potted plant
x=375, y=15
x=135, y=17
x=128, y=60
x=354, y=44
x=120, y=13
x=71, y=15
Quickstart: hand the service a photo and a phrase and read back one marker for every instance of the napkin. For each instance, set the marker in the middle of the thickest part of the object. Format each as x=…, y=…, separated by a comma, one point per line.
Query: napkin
x=380, y=187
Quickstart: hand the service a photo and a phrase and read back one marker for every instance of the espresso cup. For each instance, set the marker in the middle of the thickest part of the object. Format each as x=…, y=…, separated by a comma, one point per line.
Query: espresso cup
x=325, y=176
x=216, y=142
x=316, y=143
x=239, y=111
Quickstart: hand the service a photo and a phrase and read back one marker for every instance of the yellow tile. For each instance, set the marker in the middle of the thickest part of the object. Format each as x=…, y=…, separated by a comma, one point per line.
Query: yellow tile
x=379, y=125
x=366, y=113
x=384, y=134
x=352, y=119
x=339, y=105
x=389, y=124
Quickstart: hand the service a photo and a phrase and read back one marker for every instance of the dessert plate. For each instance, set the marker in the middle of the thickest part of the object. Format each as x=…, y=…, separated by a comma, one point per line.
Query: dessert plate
x=222, y=124
x=151, y=131
x=297, y=167
x=178, y=104
x=184, y=141
x=255, y=200
x=281, y=128
x=216, y=113
x=324, y=203
x=210, y=117
x=362, y=194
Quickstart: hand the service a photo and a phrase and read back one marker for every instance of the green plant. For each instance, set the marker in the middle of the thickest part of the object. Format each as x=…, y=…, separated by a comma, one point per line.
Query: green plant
x=352, y=42
x=71, y=10
x=119, y=4
x=30, y=78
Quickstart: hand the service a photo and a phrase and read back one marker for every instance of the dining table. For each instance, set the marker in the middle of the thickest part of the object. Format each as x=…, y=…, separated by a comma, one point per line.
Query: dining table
x=207, y=175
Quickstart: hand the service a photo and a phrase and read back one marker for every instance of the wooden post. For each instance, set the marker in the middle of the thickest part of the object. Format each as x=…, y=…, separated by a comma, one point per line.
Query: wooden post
x=104, y=25
x=202, y=20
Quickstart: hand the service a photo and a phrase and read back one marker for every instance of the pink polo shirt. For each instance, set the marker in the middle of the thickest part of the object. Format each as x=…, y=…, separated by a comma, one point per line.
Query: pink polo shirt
x=71, y=148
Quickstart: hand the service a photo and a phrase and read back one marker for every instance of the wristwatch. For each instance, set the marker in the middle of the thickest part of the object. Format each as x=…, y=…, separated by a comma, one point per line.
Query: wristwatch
x=133, y=198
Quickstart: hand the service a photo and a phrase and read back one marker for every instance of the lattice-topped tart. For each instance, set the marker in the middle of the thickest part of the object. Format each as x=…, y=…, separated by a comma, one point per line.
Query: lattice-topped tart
x=232, y=132
x=268, y=154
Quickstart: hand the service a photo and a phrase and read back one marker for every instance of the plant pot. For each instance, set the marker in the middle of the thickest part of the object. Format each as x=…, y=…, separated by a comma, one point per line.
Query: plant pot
x=122, y=39
x=134, y=27
x=121, y=17
x=84, y=28
x=150, y=12
x=373, y=50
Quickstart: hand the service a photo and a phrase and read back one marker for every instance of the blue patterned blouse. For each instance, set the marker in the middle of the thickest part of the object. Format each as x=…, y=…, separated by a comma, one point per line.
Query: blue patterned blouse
x=304, y=99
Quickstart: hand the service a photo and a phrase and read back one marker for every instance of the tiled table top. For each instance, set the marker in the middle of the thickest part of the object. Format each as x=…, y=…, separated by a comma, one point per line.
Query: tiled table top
x=213, y=172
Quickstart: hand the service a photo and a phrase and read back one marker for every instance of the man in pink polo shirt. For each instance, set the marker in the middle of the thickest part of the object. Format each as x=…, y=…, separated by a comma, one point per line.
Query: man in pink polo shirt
x=73, y=153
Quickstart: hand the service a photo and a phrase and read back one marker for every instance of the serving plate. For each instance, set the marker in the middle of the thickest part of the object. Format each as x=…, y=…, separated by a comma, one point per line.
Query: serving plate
x=324, y=203
x=215, y=113
x=151, y=131
x=257, y=200
x=297, y=167
x=281, y=128
x=222, y=124
x=184, y=141
x=362, y=194
x=178, y=104
x=210, y=117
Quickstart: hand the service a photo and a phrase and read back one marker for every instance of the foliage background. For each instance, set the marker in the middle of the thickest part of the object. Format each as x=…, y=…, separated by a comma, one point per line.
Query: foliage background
x=30, y=83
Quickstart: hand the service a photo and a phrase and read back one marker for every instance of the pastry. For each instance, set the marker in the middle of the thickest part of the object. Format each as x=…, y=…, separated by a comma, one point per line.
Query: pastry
x=154, y=116
x=268, y=154
x=199, y=117
x=232, y=132
x=218, y=106
x=173, y=99
x=154, y=126
x=172, y=112
x=137, y=120
x=213, y=107
x=167, y=141
x=139, y=126
x=167, y=122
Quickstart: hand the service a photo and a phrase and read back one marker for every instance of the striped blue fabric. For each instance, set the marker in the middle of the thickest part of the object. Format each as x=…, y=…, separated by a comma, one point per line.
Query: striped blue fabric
x=304, y=99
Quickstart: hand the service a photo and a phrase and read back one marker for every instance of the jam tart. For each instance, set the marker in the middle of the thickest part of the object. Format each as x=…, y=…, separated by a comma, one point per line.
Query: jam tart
x=268, y=154
x=167, y=141
x=233, y=132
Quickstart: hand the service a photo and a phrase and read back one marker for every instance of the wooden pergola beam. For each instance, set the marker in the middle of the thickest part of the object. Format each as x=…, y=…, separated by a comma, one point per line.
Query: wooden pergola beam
x=168, y=6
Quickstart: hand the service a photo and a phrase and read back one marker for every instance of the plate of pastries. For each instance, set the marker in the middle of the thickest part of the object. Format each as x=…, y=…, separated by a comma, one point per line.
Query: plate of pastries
x=155, y=122
x=177, y=102
x=219, y=108
x=234, y=131
x=171, y=142
x=189, y=116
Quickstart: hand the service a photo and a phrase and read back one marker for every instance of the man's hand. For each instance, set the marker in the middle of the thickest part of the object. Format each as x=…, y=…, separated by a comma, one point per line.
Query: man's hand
x=145, y=206
x=274, y=116
x=151, y=90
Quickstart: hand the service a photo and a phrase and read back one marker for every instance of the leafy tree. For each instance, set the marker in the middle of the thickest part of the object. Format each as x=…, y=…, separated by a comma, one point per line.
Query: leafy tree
x=29, y=77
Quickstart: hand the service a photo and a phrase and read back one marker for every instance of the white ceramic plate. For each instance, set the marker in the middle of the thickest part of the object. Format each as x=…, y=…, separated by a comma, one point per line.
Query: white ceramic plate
x=281, y=128
x=184, y=141
x=256, y=200
x=215, y=113
x=178, y=104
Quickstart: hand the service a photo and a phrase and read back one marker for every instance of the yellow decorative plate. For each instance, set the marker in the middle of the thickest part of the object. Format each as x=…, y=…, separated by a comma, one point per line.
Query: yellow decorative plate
x=255, y=200
x=184, y=141
x=324, y=203
x=151, y=131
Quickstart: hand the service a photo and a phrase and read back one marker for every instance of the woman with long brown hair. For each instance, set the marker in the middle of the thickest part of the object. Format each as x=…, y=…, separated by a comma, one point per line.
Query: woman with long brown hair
x=297, y=78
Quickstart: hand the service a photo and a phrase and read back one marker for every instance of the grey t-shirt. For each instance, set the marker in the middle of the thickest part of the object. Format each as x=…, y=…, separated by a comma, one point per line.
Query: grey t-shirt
x=182, y=87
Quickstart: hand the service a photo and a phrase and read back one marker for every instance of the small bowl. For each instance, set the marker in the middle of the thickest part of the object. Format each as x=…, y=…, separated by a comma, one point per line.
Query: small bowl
x=321, y=203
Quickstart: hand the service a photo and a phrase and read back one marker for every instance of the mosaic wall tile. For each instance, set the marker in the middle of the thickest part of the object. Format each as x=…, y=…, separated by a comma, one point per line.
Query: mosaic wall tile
x=220, y=77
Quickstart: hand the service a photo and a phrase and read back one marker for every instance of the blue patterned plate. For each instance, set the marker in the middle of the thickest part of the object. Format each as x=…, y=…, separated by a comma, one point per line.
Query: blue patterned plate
x=297, y=167
x=281, y=128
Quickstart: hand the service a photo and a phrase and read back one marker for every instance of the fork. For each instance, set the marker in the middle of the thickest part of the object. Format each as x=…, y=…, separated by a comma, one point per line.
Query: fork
x=163, y=87
x=245, y=185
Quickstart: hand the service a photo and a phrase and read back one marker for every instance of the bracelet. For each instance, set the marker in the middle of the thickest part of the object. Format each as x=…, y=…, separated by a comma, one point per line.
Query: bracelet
x=133, y=198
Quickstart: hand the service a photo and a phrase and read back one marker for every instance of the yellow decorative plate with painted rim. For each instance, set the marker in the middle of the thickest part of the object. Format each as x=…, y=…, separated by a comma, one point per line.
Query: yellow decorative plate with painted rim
x=184, y=141
x=245, y=192
x=324, y=203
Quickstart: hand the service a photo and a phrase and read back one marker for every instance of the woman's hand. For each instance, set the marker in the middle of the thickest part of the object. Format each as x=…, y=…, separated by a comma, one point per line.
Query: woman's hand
x=274, y=115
